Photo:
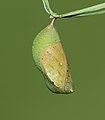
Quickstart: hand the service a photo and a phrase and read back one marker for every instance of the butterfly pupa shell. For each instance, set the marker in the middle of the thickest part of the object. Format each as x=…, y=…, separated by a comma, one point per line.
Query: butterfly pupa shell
x=50, y=58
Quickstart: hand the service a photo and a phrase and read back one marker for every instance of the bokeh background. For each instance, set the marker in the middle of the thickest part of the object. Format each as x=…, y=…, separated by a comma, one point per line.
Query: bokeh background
x=23, y=94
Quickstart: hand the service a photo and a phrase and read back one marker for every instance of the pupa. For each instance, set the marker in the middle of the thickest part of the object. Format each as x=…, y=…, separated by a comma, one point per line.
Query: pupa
x=50, y=58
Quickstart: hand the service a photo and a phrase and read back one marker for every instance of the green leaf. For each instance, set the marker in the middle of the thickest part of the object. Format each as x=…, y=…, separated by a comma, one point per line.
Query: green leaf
x=93, y=10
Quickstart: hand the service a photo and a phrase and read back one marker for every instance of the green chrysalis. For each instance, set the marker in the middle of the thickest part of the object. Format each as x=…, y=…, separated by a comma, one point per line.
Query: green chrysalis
x=50, y=58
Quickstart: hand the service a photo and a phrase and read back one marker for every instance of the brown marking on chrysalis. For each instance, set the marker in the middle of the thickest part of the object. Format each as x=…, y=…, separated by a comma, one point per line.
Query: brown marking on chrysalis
x=54, y=65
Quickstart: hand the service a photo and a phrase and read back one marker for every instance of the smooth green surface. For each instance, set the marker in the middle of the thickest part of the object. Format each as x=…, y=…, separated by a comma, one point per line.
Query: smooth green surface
x=45, y=38
x=23, y=94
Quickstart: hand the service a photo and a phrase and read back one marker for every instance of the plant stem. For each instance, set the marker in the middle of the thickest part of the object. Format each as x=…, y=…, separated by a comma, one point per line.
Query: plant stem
x=93, y=10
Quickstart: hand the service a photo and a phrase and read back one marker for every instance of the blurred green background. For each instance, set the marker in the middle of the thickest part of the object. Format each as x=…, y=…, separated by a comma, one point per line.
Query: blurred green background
x=23, y=94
